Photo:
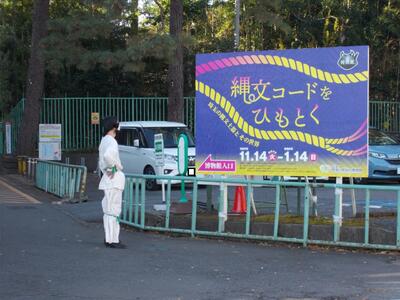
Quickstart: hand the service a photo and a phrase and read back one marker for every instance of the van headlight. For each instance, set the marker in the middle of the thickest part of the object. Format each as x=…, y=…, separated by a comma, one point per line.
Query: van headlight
x=378, y=155
x=170, y=157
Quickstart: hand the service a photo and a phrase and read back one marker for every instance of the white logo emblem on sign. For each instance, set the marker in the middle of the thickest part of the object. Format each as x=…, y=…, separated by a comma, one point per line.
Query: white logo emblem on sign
x=348, y=61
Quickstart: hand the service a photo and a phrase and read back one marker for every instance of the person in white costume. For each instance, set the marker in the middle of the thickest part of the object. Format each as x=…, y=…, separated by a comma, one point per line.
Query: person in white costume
x=112, y=183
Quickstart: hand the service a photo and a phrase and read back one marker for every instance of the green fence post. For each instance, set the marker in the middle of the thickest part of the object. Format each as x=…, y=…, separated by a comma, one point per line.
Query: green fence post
x=209, y=197
x=168, y=204
x=398, y=220
x=137, y=187
x=130, y=187
x=306, y=214
x=1, y=139
x=366, y=228
x=336, y=220
x=125, y=201
x=248, y=208
x=143, y=204
x=194, y=207
x=221, y=221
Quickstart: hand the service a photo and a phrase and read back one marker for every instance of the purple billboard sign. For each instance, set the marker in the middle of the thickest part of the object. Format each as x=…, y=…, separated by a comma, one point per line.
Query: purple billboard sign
x=288, y=112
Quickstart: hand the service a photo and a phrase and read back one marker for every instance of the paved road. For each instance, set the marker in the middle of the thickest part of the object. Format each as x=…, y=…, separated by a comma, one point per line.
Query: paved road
x=47, y=253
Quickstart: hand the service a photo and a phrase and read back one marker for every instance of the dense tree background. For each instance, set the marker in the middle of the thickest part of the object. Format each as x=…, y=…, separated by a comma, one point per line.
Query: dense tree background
x=122, y=47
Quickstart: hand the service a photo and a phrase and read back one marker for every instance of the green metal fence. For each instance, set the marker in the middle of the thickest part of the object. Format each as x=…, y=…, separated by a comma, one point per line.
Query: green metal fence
x=134, y=211
x=65, y=181
x=385, y=115
x=2, y=142
x=15, y=117
x=75, y=116
x=79, y=134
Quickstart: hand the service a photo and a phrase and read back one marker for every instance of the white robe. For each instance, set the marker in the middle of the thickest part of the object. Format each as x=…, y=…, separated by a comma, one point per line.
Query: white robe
x=109, y=157
x=113, y=187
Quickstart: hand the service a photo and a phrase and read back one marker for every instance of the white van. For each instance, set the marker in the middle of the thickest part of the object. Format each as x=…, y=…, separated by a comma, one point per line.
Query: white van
x=136, y=148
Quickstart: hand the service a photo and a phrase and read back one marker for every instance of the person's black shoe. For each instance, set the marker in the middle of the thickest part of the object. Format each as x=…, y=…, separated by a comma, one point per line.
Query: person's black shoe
x=109, y=245
x=118, y=245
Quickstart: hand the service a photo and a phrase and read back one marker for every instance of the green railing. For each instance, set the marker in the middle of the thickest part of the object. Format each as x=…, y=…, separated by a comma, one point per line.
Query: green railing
x=75, y=116
x=134, y=211
x=385, y=115
x=63, y=180
x=15, y=117
x=79, y=134
x=2, y=142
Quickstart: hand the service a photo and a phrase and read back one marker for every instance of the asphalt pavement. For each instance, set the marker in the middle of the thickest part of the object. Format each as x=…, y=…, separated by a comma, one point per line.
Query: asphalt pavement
x=47, y=252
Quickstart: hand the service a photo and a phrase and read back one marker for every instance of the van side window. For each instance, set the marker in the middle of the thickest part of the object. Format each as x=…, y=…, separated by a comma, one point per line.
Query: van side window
x=136, y=135
x=121, y=137
x=131, y=136
x=126, y=137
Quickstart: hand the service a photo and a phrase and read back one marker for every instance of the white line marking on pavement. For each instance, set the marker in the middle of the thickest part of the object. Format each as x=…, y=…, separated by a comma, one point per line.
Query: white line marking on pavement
x=383, y=275
x=27, y=197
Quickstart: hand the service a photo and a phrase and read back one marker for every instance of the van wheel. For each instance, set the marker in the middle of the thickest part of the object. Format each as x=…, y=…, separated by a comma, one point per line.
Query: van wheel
x=151, y=184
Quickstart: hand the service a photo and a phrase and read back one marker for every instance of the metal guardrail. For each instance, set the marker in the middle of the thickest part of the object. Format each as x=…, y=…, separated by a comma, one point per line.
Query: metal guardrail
x=65, y=181
x=134, y=212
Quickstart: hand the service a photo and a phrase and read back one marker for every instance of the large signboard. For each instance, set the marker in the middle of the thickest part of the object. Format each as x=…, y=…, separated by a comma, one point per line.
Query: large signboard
x=291, y=112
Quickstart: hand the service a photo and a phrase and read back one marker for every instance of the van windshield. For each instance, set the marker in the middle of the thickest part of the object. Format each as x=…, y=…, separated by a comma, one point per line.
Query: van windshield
x=170, y=135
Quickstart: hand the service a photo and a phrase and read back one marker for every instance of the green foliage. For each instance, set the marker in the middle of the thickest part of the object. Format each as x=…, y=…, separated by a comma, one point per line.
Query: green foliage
x=15, y=23
x=102, y=47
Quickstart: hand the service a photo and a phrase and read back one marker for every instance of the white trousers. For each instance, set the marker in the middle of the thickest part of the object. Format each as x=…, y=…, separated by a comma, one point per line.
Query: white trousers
x=111, y=204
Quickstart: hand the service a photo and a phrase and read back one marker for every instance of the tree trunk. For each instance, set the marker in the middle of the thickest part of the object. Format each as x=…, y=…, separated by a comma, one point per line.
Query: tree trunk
x=162, y=15
x=237, y=25
x=135, y=17
x=175, y=70
x=27, y=138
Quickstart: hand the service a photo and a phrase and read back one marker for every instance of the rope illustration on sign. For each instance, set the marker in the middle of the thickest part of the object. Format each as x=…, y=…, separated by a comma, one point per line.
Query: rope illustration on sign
x=281, y=61
x=311, y=139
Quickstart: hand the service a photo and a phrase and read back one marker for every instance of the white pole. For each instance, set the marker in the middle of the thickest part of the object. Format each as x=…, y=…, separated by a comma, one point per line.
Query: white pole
x=313, y=198
x=225, y=203
x=339, y=192
x=353, y=198
x=223, y=214
x=161, y=172
x=253, y=204
x=163, y=191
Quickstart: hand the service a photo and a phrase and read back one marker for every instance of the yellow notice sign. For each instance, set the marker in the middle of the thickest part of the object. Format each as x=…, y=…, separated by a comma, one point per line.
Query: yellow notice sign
x=95, y=118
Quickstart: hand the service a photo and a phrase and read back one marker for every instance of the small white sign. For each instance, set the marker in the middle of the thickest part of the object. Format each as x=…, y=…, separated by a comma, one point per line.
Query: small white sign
x=8, y=138
x=159, y=149
x=182, y=154
x=50, y=151
x=49, y=133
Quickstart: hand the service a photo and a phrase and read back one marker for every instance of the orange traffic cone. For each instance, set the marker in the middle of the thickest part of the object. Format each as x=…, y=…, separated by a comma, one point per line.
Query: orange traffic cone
x=239, y=204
